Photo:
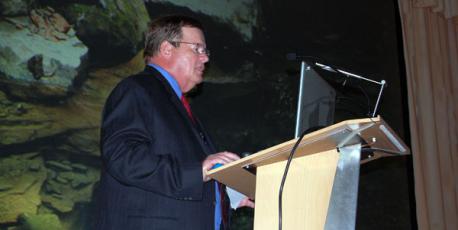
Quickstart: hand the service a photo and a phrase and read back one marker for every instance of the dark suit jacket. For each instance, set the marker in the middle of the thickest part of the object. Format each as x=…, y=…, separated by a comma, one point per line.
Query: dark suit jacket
x=152, y=157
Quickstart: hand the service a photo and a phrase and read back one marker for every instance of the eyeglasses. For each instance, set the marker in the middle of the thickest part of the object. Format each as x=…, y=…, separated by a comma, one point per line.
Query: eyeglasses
x=198, y=48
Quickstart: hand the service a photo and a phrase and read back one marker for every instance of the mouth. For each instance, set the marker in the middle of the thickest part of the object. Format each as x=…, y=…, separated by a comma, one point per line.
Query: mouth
x=200, y=70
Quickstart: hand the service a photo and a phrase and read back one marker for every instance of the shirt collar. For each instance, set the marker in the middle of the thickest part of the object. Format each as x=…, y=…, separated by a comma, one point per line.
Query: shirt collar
x=172, y=82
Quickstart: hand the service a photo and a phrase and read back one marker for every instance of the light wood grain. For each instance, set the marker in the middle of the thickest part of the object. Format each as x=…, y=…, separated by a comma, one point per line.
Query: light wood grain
x=306, y=193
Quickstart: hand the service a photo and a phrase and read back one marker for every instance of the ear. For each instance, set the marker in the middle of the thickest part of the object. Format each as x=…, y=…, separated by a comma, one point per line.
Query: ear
x=166, y=49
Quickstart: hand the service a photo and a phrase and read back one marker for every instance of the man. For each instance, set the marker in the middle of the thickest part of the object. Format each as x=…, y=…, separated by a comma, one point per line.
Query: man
x=155, y=152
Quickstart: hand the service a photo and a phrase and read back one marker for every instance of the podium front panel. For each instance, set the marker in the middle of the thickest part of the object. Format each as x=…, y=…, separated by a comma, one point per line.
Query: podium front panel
x=306, y=193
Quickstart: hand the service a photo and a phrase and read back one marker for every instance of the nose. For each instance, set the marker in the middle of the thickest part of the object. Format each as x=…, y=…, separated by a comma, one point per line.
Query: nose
x=204, y=58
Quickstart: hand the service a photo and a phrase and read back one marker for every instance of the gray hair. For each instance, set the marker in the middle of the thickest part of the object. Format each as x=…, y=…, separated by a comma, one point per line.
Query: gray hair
x=166, y=28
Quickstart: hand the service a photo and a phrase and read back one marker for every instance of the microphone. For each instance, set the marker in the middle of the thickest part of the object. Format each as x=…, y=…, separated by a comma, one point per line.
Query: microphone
x=326, y=67
x=348, y=74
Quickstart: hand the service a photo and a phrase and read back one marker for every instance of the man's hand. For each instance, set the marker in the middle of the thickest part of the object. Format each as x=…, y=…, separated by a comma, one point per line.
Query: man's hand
x=221, y=157
x=246, y=202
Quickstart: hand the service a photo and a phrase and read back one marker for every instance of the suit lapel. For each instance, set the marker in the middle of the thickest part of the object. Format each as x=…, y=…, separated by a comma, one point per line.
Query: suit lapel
x=196, y=128
x=209, y=143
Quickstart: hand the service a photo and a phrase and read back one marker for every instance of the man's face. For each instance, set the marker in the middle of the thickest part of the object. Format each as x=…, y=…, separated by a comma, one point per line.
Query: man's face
x=188, y=64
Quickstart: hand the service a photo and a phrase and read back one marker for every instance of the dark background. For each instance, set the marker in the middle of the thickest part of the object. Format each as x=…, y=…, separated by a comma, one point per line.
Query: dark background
x=362, y=37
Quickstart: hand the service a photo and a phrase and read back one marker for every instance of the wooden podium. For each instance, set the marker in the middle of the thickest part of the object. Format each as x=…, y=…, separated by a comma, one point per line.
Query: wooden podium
x=321, y=188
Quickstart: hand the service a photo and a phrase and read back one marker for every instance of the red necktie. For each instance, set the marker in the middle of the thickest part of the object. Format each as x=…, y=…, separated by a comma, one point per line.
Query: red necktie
x=221, y=187
x=187, y=107
x=224, y=204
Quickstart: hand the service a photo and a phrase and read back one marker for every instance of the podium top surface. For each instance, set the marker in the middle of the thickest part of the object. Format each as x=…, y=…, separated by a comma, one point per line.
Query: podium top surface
x=374, y=134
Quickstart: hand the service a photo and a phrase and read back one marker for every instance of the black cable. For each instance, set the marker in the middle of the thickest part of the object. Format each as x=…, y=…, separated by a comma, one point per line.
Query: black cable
x=280, y=193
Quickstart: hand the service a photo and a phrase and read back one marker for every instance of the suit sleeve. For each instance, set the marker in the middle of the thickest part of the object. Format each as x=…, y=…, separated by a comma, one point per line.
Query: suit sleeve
x=127, y=151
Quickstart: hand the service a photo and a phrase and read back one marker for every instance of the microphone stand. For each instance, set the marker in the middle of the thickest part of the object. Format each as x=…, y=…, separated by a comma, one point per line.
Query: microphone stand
x=348, y=74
